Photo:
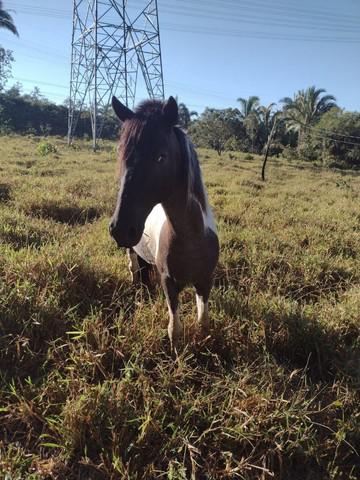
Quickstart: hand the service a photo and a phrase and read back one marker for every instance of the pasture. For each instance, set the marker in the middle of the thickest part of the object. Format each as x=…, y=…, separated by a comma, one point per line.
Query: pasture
x=88, y=389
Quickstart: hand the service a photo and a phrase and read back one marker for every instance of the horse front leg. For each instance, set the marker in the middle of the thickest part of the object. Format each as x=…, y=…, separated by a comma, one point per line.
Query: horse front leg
x=175, y=328
x=202, y=304
x=134, y=266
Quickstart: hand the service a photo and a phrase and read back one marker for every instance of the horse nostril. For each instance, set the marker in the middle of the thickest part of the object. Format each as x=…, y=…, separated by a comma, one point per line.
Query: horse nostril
x=112, y=228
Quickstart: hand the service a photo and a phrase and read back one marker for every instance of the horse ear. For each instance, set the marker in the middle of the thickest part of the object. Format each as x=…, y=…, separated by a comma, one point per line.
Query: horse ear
x=171, y=111
x=122, y=112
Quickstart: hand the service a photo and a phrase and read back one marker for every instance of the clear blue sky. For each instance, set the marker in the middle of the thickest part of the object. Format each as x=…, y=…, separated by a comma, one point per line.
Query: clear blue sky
x=214, y=51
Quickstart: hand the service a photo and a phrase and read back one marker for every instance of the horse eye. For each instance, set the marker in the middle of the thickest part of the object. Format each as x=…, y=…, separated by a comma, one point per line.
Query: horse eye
x=160, y=159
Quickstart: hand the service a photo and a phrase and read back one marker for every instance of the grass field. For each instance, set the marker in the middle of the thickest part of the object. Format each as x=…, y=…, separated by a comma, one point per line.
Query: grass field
x=88, y=389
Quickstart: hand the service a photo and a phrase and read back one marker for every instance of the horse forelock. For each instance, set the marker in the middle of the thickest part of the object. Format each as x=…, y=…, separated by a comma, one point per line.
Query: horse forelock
x=149, y=109
x=136, y=133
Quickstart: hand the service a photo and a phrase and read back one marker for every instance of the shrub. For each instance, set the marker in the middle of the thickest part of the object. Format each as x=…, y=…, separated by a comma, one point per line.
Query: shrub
x=276, y=149
x=290, y=153
x=353, y=157
x=232, y=144
x=46, y=148
x=307, y=152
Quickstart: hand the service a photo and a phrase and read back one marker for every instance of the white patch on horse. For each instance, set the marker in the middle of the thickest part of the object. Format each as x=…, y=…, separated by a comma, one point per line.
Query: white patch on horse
x=175, y=327
x=208, y=216
x=134, y=266
x=202, y=311
x=148, y=246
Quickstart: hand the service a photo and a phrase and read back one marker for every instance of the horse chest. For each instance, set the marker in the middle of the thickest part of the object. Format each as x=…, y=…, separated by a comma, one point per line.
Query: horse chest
x=148, y=246
x=189, y=261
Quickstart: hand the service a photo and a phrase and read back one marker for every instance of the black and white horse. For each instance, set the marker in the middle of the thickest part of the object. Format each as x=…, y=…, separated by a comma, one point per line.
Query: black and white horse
x=162, y=213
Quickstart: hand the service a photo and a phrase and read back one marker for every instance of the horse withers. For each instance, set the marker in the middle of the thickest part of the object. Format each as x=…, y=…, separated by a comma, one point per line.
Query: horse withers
x=162, y=214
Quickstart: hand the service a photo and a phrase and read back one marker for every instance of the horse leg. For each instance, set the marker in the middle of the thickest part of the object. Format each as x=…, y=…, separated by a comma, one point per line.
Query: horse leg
x=140, y=270
x=202, y=303
x=144, y=271
x=172, y=290
x=133, y=265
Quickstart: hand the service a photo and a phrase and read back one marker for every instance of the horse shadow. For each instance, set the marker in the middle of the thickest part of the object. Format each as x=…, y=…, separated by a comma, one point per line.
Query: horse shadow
x=5, y=193
x=66, y=214
x=298, y=342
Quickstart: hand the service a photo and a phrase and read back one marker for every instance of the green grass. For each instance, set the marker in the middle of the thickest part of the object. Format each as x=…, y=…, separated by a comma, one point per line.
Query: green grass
x=88, y=388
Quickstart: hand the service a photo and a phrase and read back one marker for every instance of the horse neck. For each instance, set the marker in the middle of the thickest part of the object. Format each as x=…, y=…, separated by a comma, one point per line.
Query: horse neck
x=182, y=208
x=184, y=214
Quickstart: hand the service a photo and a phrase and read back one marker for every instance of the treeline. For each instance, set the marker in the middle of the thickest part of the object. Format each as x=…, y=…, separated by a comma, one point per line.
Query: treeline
x=34, y=114
x=309, y=126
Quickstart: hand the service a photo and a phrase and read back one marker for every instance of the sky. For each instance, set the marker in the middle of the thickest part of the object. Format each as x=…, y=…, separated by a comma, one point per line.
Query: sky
x=214, y=51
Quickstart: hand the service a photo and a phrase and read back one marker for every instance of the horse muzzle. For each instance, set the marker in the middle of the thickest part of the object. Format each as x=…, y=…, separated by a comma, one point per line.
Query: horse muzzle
x=125, y=236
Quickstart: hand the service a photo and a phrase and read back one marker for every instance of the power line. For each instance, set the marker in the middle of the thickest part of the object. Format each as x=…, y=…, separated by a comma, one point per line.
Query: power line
x=326, y=137
x=230, y=7
x=259, y=20
x=33, y=46
x=336, y=133
x=259, y=35
x=281, y=8
x=214, y=15
x=40, y=82
x=52, y=94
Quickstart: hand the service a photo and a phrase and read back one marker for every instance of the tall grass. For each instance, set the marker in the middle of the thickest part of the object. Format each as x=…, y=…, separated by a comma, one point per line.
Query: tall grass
x=88, y=388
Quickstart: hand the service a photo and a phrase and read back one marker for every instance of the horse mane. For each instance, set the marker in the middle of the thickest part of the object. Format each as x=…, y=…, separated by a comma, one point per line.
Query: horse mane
x=195, y=186
x=147, y=114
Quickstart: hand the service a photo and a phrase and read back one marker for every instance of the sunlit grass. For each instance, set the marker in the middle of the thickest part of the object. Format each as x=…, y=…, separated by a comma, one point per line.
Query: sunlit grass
x=88, y=386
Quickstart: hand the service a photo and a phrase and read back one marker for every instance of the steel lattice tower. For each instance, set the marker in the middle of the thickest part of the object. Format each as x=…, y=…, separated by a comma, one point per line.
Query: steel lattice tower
x=111, y=41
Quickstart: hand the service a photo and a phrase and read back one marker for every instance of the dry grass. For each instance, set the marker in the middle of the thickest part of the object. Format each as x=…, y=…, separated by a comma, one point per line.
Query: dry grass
x=88, y=388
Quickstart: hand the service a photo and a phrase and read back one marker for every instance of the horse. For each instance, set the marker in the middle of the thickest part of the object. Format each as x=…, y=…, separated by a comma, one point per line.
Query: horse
x=162, y=213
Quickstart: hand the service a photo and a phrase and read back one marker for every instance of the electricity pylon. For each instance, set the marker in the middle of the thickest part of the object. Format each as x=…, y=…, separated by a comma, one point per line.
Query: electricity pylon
x=111, y=41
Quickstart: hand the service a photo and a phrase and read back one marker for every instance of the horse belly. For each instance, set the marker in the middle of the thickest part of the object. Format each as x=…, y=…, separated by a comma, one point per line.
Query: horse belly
x=148, y=246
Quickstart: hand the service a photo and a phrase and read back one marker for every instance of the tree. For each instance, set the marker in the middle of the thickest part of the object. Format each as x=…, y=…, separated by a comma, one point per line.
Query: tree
x=6, y=59
x=251, y=122
x=306, y=109
x=249, y=111
x=336, y=138
x=216, y=128
x=275, y=119
x=185, y=115
x=34, y=113
x=266, y=117
x=248, y=105
x=36, y=96
x=6, y=20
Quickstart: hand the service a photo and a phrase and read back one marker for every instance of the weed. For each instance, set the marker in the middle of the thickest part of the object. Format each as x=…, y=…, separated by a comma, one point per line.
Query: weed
x=45, y=148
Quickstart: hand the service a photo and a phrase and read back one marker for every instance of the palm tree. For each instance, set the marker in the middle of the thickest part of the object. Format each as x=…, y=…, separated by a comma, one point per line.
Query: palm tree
x=266, y=117
x=6, y=20
x=305, y=109
x=185, y=115
x=249, y=111
x=248, y=105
